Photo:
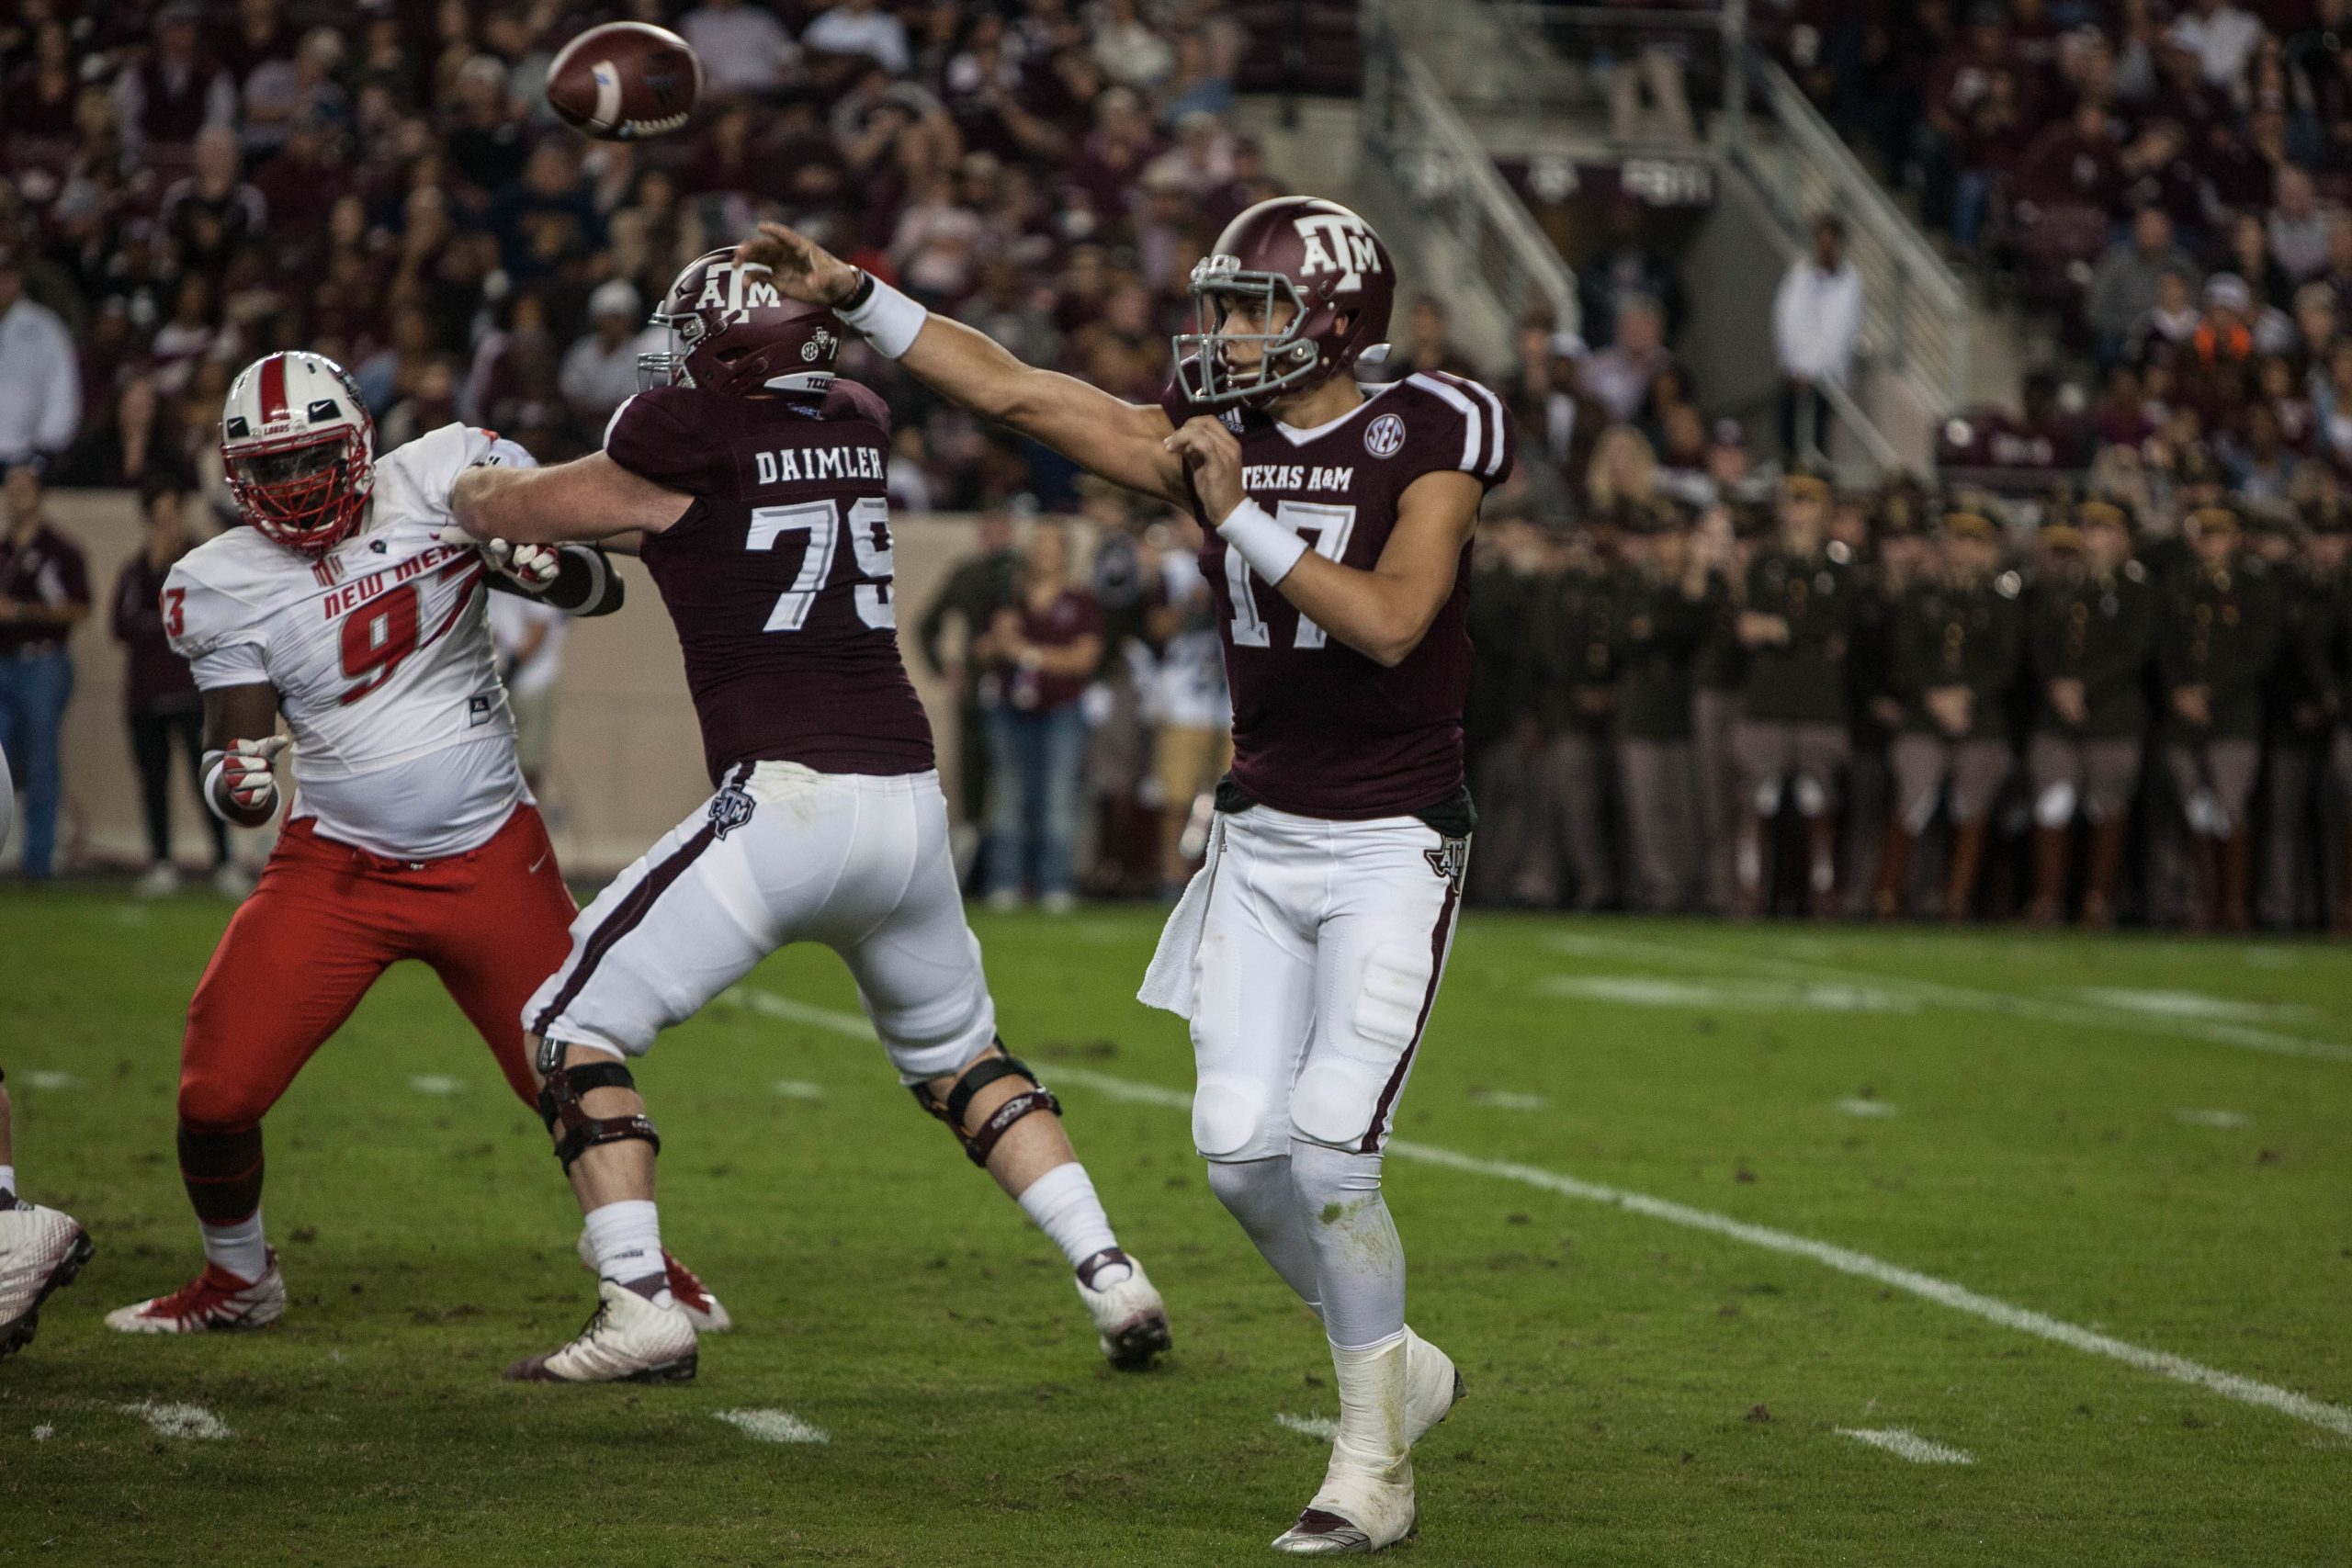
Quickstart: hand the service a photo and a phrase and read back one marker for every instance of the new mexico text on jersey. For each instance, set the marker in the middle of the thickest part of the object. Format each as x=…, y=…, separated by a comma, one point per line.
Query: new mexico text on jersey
x=380, y=655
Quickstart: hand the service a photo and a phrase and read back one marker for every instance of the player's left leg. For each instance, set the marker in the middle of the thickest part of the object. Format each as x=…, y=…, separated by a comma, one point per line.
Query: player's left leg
x=496, y=924
x=1381, y=952
x=918, y=970
x=41, y=1249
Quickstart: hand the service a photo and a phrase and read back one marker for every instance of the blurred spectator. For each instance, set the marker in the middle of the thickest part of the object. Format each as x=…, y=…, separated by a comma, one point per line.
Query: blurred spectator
x=1816, y=319
x=281, y=92
x=2297, y=228
x=744, y=49
x=178, y=90
x=1425, y=345
x=44, y=591
x=527, y=637
x=1630, y=268
x=1654, y=58
x=160, y=705
x=1128, y=50
x=40, y=383
x=981, y=584
x=2125, y=283
x=1620, y=376
x=600, y=368
x=1042, y=650
x=2221, y=37
x=210, y=212
x=1190, y=705
x=860, y=26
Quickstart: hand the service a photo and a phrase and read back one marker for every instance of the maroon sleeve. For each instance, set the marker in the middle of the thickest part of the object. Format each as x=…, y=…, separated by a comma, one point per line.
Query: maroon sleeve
x=655, y=436
x=1458, y=425
x=74, y=570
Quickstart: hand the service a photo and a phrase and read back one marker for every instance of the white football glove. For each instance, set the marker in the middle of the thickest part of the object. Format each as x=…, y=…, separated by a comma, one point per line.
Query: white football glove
x=534, y=567
x=246, y=782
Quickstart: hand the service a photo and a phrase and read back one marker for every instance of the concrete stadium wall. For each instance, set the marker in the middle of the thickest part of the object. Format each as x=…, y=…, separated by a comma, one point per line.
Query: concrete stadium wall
x=627, y=760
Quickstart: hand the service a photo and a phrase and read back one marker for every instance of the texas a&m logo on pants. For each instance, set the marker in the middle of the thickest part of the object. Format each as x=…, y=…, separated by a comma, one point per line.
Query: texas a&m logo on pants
x=1450, y=859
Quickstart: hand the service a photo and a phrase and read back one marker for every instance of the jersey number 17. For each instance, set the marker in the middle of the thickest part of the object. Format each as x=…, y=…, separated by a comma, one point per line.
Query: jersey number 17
x=1326, y=530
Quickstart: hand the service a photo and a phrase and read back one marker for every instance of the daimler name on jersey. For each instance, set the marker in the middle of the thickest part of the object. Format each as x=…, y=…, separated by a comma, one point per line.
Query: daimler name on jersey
x=794, y=464
x=1295, y=477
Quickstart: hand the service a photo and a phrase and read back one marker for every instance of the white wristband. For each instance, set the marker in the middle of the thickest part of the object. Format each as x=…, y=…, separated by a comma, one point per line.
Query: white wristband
x=888, y=318
x=1268, y=548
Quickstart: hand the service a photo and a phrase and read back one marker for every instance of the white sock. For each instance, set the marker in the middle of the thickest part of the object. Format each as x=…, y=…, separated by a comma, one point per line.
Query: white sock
x=1372, y=1403
x=238, y=1248
x=1063, y=1203
x=626, y=1238
x=8, y=1179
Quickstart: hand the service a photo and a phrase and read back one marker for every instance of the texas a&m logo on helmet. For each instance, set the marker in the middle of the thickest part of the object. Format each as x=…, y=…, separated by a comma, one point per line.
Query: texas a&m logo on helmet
x=732, y=330
x=1296, y=290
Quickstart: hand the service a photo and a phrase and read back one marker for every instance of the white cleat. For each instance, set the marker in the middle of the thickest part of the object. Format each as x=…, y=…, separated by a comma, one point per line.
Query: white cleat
x=703, y=1309
x=41, y=1251
x=1130, y=1320
x=1366, y=1500
x=213, y=1301
x=1432, y=1386
x=628, y=1340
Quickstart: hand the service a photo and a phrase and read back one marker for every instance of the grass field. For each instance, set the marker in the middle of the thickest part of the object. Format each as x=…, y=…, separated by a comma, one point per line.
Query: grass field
x=2121, y=1169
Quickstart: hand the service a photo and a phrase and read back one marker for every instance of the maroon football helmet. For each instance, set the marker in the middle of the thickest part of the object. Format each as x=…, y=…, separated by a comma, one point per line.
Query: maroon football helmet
x=731, y=330
x=1316, y=258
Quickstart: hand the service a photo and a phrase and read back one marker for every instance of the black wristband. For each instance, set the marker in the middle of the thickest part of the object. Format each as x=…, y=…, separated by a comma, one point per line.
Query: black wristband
x=861, y=294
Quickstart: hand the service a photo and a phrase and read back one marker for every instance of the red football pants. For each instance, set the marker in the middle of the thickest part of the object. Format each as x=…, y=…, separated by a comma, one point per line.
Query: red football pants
x=327, y=919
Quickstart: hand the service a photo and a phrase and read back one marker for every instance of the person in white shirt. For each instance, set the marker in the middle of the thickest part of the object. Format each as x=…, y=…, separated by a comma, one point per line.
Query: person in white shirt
x=40, y=379
x=527, y=635
x=861, y=27
x=744, y=49
x=2220, y=36
x=1817, y=317
x=599, y=371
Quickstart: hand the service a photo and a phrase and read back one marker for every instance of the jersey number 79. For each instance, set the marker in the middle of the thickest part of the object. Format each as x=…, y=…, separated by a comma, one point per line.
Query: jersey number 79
x=869, y=539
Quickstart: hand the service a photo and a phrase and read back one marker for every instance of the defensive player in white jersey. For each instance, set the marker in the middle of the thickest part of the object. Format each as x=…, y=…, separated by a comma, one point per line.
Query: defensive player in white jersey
x=1306, y=953
x=412, y=834
x=752, y=481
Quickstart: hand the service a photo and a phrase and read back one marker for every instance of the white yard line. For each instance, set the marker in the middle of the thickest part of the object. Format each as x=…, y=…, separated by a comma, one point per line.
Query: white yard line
x=773, y=1427
x=799, y=1089
x=2080, y=1014
x=177, y=1420
x=2225, y=1120
x=47, y=1079
x=1510, y=1099
x=1856, y=1106
x=1904, y=1443
x=768, y=1004
x=2334, y=1419
x=1321, y=1426
x=436, y=1084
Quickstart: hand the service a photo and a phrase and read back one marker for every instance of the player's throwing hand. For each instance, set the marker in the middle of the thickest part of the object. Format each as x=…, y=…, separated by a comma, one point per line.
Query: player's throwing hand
x=1212, y=455
x=803, y=269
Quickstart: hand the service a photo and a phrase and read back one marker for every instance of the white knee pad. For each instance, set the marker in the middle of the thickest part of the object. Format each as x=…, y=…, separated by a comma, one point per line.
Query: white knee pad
x=1228, y=1116
x=1811, y=799
x=1334, y=1101
x=1767, y=798
x=2054, y=807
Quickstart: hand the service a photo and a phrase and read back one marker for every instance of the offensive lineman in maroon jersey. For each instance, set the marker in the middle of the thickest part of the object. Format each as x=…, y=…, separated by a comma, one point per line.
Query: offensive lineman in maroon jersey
x=1307, y=952
x=750, y=483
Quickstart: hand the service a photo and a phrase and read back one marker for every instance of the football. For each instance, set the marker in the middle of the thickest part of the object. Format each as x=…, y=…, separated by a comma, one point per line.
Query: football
x=625, y=81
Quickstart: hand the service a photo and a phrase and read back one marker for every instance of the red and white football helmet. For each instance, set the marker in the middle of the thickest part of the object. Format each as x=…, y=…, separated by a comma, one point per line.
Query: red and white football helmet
x=299, y=449
x=731, y=330
x=1315, y=256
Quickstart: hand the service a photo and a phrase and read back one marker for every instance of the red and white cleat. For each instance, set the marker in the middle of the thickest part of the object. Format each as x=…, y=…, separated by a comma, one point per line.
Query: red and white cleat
x=213, y=1301
x=703, y=1310
x=628, y=1340
x=41, y=1251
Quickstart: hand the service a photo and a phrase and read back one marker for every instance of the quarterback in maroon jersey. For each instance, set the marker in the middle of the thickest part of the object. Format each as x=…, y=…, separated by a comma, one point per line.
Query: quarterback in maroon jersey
x=749, y=481
x=1307, y=952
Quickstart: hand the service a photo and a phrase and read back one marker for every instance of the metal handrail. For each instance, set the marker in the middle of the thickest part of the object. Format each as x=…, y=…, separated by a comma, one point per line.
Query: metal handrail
x=1411, y=134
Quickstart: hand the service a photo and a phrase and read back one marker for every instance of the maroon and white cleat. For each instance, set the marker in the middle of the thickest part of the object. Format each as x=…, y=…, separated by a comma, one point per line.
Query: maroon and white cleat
x=629, y=1339
x=214, y=1300
x=1130, y=1320
x=41, y=1251
x=703, y=1309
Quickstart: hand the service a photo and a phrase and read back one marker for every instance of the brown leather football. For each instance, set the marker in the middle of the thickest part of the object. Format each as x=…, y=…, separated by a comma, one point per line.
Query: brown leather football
x=625, y=81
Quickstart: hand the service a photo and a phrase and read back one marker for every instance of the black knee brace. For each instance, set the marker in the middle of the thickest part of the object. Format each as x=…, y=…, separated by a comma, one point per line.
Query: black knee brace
x=560, y=1102
x=979, y=1075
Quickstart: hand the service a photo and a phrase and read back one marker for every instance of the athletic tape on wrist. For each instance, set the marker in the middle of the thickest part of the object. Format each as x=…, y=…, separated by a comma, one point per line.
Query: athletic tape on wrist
x=885, y=317
x=1268, y=548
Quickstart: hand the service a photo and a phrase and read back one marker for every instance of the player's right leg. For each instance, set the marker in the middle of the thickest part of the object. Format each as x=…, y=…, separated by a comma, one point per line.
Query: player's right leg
x=899, y=923
x=296, y=959
x=41, y=1249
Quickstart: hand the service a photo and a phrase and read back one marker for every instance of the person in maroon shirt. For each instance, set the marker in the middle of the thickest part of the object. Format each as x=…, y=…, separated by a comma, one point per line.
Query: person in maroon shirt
x=752, y=486
x=159, y=702
x=44, y=591
x=1307, y=953
x=1045, y=648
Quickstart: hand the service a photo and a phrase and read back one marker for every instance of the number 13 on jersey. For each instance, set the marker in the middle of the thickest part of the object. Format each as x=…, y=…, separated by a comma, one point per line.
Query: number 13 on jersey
x=869, y=539
x=1325, y=531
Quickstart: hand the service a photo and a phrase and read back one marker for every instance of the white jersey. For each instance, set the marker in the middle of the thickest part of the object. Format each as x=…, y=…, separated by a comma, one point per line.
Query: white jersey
x=380, y=654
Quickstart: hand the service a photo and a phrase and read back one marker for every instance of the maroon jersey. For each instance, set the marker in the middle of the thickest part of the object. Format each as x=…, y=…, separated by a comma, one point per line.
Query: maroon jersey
x=779, y=576
x=1318, y=730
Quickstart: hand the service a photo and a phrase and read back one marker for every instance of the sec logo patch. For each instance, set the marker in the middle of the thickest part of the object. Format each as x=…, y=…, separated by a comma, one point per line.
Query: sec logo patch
x=1385, y=437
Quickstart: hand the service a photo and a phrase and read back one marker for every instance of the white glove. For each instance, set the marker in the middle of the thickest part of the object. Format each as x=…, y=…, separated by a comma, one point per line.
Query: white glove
x=246, y=782
x=534, y=567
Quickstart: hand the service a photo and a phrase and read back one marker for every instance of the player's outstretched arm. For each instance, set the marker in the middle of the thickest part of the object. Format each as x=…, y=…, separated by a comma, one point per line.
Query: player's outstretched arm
x=589, y=498
x=1382, y=614
x=1121, y=442
x=241, y=742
